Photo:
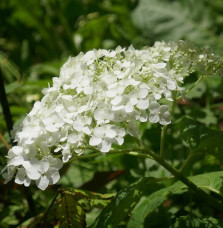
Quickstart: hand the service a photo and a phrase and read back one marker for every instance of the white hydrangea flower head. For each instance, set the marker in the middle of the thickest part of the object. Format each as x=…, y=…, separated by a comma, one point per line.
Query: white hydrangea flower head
x=97, y=99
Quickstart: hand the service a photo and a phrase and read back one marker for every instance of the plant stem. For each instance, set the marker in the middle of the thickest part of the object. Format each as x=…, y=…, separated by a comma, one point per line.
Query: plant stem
x=4, y=142
x=186, y=162
x=48, y=209
x=131, y=151
x=179, y=176
x=194, y=85
x=163, y=133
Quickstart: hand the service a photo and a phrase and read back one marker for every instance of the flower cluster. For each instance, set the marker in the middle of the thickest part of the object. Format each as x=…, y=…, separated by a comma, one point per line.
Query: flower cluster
x=99, y=98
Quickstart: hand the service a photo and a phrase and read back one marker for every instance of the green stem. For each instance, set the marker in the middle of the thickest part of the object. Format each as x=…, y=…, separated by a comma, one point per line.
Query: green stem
x=194, y=85
x=186, y=162
x=216, y=105
x=179, y=176
x=163, y=133
x=130, y=151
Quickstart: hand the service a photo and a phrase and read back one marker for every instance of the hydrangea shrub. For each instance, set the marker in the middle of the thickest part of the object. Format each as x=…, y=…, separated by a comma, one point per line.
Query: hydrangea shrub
x=98, y=98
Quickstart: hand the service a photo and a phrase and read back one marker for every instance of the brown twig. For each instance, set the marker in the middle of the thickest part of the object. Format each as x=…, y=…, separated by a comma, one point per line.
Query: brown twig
x=4, y=141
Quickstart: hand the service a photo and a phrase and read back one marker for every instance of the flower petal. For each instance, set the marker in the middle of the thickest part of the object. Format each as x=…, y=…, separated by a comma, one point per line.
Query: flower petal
x=20, y=176
x=153, y=118
x=43, y=166
x=154, y=107
x=42, y=182
x=94, y=141
x=105, y=145
x=53, y=175
x=33, y=174
x=133, y=130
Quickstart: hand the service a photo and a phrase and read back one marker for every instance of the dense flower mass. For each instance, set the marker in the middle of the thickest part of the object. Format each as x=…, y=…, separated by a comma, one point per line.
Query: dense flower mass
x=99, y=98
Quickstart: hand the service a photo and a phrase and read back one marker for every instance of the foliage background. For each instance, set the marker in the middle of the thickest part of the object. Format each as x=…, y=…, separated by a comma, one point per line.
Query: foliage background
x=36, y=38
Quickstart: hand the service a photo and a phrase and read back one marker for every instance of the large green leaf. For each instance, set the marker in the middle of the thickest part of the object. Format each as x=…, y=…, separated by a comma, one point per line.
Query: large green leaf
x=209, y=181
x=191, y=221
x=200, y=138
x=123, y=203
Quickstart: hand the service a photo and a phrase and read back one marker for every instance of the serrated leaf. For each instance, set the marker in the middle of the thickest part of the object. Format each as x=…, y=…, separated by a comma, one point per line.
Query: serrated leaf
x=147, y=204
x=192, y=221
x=200, y=138
x=70, y=213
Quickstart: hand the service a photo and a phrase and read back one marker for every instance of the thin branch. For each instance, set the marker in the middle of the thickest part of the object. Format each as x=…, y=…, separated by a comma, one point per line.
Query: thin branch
x=4, y=141
x=194, y=85
x=130, y=151
x=186, y=162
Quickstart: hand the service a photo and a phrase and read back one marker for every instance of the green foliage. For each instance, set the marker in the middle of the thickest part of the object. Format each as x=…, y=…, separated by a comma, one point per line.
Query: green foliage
x=175, y=20
x=69, y=213
x=123, y=203
x=69, y=209
x=36, y=39
x=195, y=222
x=142, y=198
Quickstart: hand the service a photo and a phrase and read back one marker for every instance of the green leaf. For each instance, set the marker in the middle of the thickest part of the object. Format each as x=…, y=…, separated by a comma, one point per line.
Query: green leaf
x=9, y=69
x=70, y=213
x=200, y=138
x=124, y=202
x=192, y=221
x=12, y=86
x=82, y=175
x=147, y=204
